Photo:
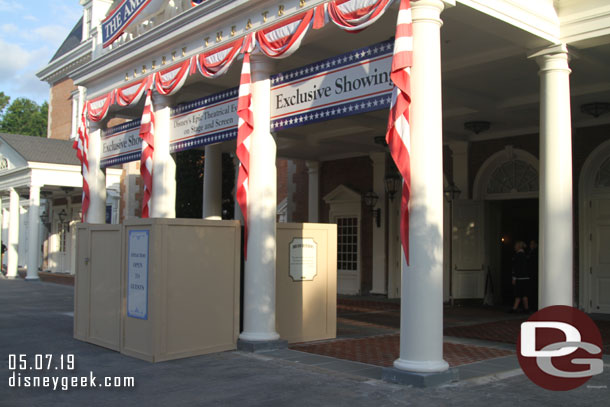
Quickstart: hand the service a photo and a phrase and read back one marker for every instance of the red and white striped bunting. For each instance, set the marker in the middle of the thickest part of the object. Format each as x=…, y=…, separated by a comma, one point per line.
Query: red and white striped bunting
x=130, y=95
x=282, y=39
x=245, y=127
x=398, y=135
x=98, y=107
x=356, y=15
x=170, y=80
x=81, y=144
x=147, y=134
x=218, y=61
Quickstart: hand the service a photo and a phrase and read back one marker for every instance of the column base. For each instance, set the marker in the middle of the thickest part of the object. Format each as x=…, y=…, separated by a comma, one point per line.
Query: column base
x=261, y=346
x=31, y=278
x=416, y=379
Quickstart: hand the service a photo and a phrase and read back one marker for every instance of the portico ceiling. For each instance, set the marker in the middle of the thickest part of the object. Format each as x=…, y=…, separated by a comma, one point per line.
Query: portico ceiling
x=487, y=75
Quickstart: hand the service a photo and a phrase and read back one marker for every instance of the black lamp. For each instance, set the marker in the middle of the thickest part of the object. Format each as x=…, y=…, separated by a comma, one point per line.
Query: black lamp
x=452, y=192
x=370, y=200
x=391, y=183
x=595, y=109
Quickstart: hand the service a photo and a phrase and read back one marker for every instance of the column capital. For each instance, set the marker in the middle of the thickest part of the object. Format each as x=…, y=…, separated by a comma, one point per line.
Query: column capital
x=312, y=166
x=377, y=158
x=429, y=10
x=552, y=58
x=95, y=126
x=161, y=101
x=260, y=65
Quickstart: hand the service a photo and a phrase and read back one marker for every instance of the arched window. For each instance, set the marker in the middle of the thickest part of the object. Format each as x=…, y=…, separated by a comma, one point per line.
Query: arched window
x=602, y=178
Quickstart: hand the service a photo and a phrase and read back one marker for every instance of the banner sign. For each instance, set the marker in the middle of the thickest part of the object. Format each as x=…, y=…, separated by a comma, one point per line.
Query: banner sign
x=341, y=86
x=137, y=274
x=121, y=144
x=208, y=120
x=344, y=85
x=119, y=18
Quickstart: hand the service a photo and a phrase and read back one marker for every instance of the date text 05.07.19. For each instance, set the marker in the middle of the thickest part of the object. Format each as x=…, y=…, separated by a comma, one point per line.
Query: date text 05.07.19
x=40, y=361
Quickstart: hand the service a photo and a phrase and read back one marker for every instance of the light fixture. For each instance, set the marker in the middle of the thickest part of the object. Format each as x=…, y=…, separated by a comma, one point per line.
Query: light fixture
x=595, y=109
x=44, y=216
x=381, y=141
x=452, y=192
x=392, y=183
x=477, y=126
x=62, y=218
x=370, y=200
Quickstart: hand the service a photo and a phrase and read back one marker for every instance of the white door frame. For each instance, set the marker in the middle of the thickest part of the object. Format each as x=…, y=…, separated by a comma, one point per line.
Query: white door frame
x=587, y=193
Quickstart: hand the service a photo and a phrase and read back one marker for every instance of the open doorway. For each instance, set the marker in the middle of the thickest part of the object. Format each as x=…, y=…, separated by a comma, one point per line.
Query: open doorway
x=516, y=219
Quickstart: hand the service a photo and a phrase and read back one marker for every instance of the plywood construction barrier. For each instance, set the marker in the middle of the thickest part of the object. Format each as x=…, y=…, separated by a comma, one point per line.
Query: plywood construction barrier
x=306, y=281
x=171, y=287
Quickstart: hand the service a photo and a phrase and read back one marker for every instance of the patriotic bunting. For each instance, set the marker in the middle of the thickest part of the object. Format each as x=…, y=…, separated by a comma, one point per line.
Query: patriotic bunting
x=170, y=80
x=281, y=40
x=147, y=134
x=130, y=95
x=245, y=127
x=98, y=107
x=218, y=61
x=81, y=145
x=398, y=134
x=356, y=15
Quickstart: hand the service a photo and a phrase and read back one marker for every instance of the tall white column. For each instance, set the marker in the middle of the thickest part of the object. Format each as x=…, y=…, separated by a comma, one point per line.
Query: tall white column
x=259, y=276
x=421, y=311
x=212, y=182
x=13, y=235
x=313, y=172
x=33, y=233
x=163, y=198
x=96, y=178
x=379, y=272
x=556, y=238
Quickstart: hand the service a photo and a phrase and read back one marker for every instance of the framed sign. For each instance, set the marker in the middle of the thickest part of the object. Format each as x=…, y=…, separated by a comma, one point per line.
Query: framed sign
x=303, y=259
x=137, y=274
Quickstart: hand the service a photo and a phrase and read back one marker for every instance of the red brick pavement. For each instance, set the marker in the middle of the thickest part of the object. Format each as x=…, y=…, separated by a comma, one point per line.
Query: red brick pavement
x=508, y=331
x=383, y=350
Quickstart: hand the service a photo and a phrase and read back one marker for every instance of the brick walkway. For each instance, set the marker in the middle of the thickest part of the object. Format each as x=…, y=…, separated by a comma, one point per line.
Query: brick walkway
x=383, y=350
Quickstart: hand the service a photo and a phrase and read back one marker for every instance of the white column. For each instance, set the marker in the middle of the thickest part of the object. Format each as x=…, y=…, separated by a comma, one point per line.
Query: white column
x=421, y=311
x=163, y=198
x=556, y=238
x=96, y=178
x=379, y=272
x=13, y=235
x=212, y=182
x=33, y=233
x=313, y=172
x=259, y=276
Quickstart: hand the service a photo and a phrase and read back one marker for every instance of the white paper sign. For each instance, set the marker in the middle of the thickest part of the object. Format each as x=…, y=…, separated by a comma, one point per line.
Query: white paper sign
x=137, y=274
x=303, y=259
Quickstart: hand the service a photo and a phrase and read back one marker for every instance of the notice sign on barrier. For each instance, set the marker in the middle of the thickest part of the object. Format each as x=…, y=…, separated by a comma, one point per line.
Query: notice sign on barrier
x=137, y=274
x=303, y=259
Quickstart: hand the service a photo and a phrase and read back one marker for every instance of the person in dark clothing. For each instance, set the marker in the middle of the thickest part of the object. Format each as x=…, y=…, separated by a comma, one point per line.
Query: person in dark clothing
x=521, y=276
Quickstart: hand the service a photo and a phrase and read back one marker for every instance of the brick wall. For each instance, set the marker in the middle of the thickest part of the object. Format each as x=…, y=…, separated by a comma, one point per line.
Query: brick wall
x=300, y=199
x=60, y=110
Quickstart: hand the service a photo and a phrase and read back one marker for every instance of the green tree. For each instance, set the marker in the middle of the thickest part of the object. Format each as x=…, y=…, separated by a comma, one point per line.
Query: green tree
x=24, y=116
x=3, y=102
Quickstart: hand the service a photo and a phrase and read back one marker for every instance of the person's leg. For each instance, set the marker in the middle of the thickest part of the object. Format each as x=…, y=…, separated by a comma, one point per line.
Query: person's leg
x=526, y=304
x=516, y=304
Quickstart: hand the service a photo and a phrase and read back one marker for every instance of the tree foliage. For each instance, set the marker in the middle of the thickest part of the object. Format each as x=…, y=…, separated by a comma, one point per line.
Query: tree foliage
x=23, y=116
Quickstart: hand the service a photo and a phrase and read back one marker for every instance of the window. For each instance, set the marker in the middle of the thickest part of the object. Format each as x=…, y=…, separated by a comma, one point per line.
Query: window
x=602, y=178
x=513, y=176
x=347, y=243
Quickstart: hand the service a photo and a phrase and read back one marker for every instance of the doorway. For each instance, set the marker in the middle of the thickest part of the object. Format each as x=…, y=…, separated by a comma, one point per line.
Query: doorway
x=516, y=219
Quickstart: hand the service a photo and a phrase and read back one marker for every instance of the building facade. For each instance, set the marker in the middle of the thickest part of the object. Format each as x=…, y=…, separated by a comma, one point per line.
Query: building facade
x=509, y=138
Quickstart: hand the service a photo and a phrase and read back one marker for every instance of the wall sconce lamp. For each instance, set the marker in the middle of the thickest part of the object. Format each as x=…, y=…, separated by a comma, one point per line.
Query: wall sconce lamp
x=452, y=192
x=44, y=216
x=391, y=183
x=370, y=200
x=62, y=218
